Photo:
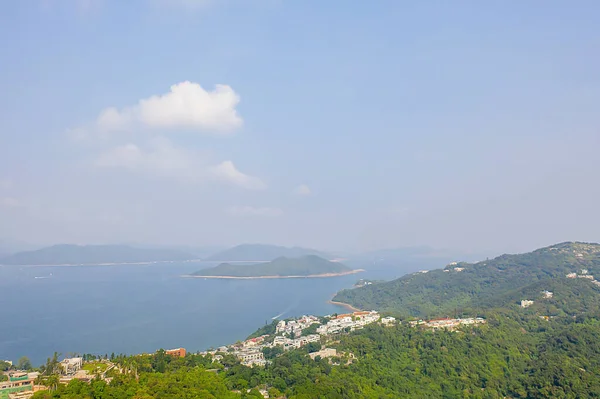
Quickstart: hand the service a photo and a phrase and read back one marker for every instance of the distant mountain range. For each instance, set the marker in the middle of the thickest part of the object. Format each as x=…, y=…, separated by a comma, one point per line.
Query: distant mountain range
x=502, y=281
x=310, y=265
x=66, y=254
x=262, y=252
x=11, y=246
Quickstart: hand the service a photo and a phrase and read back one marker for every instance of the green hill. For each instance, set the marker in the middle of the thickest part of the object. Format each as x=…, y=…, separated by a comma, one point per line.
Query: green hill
x=262, y=253
x=283, y=267
x=502, y=281
x=93, y=254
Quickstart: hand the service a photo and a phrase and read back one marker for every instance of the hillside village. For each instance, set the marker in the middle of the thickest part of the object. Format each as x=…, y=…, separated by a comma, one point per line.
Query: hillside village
x=291, y=334
x=288, y=335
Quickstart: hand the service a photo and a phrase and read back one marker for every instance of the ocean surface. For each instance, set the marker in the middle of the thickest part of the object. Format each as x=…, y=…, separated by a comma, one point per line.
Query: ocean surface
x=141, y=308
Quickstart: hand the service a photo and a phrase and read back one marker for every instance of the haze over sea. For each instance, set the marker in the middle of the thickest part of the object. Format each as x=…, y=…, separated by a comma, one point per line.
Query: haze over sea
x=141, y=308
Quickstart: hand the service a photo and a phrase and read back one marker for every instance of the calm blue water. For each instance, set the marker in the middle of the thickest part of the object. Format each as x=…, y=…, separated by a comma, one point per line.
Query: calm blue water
x=141, y=308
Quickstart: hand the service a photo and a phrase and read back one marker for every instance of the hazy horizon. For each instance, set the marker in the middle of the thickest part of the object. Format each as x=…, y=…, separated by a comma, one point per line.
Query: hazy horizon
x=339, y=126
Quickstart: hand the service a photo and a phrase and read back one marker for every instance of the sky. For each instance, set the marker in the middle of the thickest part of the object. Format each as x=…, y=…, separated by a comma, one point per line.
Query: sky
x=340, y=125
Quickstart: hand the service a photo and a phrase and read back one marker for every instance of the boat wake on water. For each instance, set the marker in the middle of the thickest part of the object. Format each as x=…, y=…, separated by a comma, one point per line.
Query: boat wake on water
x=284, y=312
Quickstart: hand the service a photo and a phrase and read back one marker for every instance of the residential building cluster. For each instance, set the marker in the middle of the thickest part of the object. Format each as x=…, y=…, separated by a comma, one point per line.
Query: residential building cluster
x=584, y=274
x=453, y=266
x=525, y=303
x=288, y=335
x=447, y=323
x=288, y=343
x=348, y=322
x=295, y=327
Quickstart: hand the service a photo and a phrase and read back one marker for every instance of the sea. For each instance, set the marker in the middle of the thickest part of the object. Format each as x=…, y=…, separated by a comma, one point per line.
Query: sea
x=141, y=308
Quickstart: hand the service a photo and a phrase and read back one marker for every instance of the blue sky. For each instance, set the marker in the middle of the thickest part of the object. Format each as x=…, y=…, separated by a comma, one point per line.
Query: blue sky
x=343, y=125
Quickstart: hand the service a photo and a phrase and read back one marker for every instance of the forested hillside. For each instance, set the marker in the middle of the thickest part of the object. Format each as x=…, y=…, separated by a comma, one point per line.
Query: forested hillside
x=502, y=281
x=512, y=356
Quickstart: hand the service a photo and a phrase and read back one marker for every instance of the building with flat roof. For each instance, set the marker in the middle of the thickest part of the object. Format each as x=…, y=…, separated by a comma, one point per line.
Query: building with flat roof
x=72, y=365
x=179, y=352
x=17, y=383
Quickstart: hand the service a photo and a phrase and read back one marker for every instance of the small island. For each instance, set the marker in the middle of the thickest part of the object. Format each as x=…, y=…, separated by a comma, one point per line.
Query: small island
x=282, y=267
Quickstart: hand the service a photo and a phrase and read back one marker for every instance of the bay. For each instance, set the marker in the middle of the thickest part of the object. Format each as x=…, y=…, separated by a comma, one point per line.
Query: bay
x=141, y=308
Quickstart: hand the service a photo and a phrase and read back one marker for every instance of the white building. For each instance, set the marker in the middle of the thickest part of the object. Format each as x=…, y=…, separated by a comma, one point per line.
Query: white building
x=526, y=303
x=280, y=327
x=251, y=356
x=387, y=321
x=72, y=365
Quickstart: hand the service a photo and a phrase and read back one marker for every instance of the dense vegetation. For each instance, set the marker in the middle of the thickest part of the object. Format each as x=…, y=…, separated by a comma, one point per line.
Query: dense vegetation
x=304, y=266
x=514, y=356
x=93, y=254
x=548, y=350
x=267, y=329
x=262, y=252
x=502, y=281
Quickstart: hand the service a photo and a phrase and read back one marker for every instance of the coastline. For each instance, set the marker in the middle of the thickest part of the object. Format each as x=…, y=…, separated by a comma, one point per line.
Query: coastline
x=324, y=275
x=345, y=305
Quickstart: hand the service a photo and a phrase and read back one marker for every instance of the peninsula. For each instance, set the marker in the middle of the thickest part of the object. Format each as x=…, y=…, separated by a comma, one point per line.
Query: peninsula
x=303, y=267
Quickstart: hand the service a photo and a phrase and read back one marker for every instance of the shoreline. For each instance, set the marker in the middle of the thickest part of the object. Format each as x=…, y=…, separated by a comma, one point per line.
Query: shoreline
x=344, y=305
x=324, y=275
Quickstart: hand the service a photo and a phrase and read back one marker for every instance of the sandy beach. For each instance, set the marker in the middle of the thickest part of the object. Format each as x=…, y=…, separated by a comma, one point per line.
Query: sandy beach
x=263, y=277
x=345, y=305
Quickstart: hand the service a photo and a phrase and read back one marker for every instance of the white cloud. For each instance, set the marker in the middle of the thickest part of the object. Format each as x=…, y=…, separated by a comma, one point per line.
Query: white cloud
x=10, y=202
x=302, y=190
x=253, y=211
x=227, y=171
x=163, y=159
x=186, y=106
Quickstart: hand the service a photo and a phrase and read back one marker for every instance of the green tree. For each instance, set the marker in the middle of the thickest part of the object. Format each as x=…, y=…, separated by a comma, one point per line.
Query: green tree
x=312, y=329
x=4, y=366
x=24, y=363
